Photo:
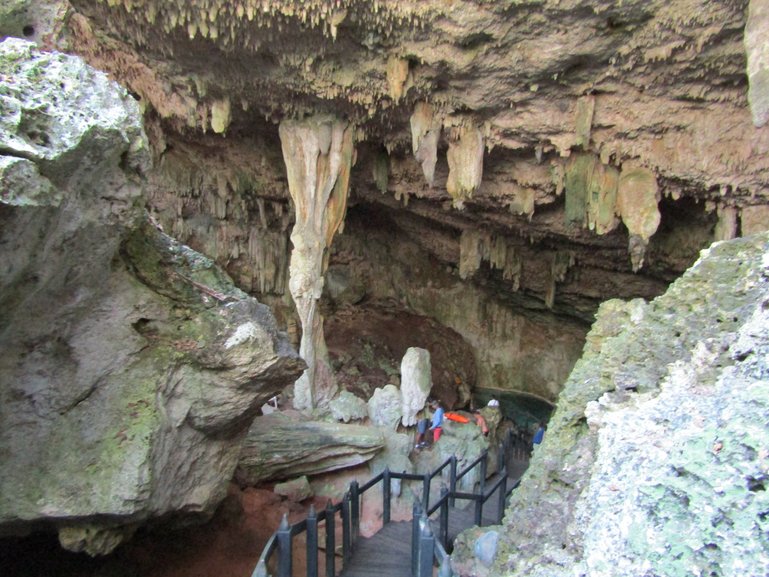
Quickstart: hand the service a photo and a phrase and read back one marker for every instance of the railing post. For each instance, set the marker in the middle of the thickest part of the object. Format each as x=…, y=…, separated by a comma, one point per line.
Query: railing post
x=284, y=547
x=312, y=543
x=416, y=515
x=386, y=496
x=453, y=479
x=484, y=470
x=479, y=511
x=355, y=510
x=502, y=491
x=445, y=570
x=346, y=537
x=426, y=491
x=261, y=570
x=443, y=531
x=501, y=458
x=330, y=541
x=426, y=547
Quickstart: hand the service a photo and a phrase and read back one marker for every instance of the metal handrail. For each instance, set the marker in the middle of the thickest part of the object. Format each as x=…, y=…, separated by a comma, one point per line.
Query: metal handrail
x=349, y=508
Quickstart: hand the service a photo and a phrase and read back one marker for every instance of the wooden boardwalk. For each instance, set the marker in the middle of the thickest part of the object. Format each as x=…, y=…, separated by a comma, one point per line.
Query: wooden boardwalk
x=388, y=553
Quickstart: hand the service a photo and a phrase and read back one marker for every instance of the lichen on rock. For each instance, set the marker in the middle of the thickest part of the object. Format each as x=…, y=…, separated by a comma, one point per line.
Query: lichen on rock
x=120, y=399
x=655, y=445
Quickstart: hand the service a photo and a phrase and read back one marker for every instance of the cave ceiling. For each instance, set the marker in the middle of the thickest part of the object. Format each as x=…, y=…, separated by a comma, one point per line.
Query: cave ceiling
x=563, y=99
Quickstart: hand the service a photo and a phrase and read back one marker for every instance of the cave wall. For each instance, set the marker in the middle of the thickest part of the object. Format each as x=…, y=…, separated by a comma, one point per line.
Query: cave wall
x=657, y=443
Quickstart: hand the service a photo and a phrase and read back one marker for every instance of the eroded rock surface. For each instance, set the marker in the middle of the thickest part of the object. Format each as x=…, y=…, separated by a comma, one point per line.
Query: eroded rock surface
x=658, y=444
x=131, y=365
x=280, y=446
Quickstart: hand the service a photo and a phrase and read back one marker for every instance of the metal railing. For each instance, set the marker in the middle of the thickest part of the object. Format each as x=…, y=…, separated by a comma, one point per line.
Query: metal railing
x=426, y=548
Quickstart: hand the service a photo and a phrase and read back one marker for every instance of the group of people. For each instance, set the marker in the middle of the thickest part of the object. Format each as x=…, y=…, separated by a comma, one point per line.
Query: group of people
x=435, y=424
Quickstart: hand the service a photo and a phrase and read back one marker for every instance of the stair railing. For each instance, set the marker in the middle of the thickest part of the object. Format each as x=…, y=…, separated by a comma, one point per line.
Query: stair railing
x=349, y=508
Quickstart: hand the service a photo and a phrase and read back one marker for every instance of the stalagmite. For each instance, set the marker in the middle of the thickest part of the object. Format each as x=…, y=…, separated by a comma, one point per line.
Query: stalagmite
x=637, y=198
x=318, y=155
x=416, y=383
x=425, y=132
x=465, y=158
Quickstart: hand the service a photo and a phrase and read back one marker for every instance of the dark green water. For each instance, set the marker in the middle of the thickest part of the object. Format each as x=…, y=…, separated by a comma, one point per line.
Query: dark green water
x=524, y=409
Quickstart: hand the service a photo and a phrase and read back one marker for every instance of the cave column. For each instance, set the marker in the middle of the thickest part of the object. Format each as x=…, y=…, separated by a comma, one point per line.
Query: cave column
x=318, y=155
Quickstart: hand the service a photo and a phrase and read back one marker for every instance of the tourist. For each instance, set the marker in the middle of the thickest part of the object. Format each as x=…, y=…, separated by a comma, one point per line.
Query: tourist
x=437, y=426
x=481, y=422
x=539, y=434
x=422, y=423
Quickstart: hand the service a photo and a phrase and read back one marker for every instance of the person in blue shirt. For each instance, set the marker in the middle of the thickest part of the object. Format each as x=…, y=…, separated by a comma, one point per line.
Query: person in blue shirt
x=539, y=435
x=437, y=424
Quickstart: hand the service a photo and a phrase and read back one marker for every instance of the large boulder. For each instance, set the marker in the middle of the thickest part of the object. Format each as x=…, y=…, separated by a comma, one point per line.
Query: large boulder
x=416, y=382
x=659, y=442
x=131, y=366
x=283, y=446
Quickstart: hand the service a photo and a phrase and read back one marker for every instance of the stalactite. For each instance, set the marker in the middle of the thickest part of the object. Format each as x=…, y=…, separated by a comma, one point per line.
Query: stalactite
x=465, y=158
x=584, y=120
x=560, y=265
x=397, y=73
x=318, y=155
x=726, y=229
x=637, y=199
x=425, y=132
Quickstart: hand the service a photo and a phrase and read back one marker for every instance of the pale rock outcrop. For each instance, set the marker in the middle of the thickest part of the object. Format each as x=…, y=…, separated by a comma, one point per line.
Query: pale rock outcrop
x=385, y=406
x=131, y=365
x=318, y=155
x=416, y=382
x=658, y=443
x=295, y=489
x=282, y=447
x=347, y=407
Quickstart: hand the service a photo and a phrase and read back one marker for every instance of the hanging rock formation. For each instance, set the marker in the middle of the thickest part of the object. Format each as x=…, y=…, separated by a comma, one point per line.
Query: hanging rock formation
x=425, y=132
x=318, y=155
x=465, y=157
x=131, y=365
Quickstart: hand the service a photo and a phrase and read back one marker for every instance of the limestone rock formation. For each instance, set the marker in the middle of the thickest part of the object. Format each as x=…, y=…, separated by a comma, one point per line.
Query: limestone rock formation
x=131, y=365
x=385, y=407
x=416, y=383
x=282, y=447
x=318, y=155
x=658, y=444
x=552, y=101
